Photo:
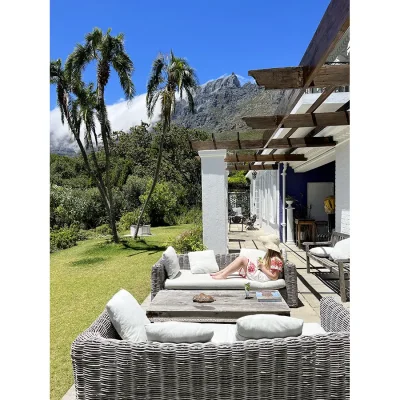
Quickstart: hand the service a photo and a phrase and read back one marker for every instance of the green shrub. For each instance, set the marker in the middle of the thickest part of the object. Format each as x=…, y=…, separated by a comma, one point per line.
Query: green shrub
x=103, y=230
x=63, y=238
x=131, y=218
x=190, y=240
x=166, y=203
x=192, y=216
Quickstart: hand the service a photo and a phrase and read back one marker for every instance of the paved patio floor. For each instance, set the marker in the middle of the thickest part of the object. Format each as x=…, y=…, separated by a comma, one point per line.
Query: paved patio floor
x=309, y=286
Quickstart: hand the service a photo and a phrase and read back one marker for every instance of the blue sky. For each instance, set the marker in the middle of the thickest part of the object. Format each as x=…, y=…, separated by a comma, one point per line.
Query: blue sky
x=216, y=37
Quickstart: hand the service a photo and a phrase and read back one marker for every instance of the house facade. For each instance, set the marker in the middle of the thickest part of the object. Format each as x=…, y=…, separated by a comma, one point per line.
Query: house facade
x=325, y=172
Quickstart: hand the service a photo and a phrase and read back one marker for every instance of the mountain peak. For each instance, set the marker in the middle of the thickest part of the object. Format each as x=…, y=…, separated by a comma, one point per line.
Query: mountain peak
x=224, y=82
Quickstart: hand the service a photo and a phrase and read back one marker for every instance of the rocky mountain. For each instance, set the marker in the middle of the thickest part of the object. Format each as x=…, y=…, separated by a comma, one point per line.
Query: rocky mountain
x=219, y=106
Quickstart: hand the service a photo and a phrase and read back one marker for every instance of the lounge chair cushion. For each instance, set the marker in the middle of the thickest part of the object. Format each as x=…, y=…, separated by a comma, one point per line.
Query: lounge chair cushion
x=341, y=250
x=127, y=316
x=170, y=262
x=267, y=326
x=179, y=332
x=252, y=254
x=321, y=251
x=203, y=262
x=186, y=280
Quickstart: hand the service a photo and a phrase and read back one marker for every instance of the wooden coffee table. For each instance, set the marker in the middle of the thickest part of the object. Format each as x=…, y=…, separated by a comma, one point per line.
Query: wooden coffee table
x=229, y=305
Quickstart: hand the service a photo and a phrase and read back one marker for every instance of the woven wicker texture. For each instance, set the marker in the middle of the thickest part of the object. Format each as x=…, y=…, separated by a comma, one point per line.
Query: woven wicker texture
x=289, y=293
x=306, y=367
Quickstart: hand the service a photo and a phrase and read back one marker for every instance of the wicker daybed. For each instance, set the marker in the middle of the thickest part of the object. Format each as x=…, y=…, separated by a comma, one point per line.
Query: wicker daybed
x=304, y=367
x=289, y=292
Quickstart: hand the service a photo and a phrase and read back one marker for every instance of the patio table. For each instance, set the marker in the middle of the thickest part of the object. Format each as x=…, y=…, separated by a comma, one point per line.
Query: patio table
x=229, y=305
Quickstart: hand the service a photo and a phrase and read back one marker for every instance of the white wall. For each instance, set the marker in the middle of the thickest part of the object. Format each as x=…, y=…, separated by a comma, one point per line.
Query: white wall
x=342, y=187
x=214, y=182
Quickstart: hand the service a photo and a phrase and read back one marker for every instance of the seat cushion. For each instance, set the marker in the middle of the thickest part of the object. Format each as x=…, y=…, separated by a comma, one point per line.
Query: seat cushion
x=226, y=333
x=267, y=326
x=179, y=332
x=321, y=251
x=185, y=280
x=341, y=250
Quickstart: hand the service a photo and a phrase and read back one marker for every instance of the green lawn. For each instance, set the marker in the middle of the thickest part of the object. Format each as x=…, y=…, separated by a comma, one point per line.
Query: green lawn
x=83, y=278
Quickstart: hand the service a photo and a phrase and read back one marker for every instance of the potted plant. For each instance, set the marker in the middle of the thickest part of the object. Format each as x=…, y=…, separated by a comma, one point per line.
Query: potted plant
x=289, y=200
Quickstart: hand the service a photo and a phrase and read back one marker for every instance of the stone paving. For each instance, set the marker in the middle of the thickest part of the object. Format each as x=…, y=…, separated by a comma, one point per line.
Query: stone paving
x=309, y=286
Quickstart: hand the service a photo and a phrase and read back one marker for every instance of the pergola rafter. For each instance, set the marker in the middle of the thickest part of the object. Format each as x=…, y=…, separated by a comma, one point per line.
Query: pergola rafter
x=263, y=158
x=252, y=167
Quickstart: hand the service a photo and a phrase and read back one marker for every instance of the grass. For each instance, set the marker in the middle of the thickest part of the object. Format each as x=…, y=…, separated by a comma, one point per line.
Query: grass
x=83, y=279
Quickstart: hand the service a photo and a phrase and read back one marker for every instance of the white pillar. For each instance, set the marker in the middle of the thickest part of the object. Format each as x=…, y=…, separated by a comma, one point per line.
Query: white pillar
x=214, y=185
x=284, y=202
x=289, y=225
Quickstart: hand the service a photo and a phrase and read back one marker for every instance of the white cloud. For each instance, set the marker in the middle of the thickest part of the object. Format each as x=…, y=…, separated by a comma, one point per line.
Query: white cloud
x=121, y=115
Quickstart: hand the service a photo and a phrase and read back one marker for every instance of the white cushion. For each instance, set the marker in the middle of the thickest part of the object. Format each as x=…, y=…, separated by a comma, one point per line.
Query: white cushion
x=187, y=280
x=203, y=262
x=341, y=250
x=179, y=332
x=223, y=333
x=252, y=254
x=312, y=328
x=321, y=251
x=127, y=316
x=267, y=326
x=226, y=333
x=170, y=261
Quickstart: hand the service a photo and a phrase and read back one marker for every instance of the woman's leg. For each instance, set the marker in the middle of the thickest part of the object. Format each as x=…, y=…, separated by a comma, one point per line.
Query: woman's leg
x=234, y=266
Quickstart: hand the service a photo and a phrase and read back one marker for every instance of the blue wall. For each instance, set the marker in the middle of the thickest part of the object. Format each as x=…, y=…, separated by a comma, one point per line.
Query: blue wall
x=296, y=183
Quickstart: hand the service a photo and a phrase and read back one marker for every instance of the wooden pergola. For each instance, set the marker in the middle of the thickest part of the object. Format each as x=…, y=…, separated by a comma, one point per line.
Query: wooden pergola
x=313, y=71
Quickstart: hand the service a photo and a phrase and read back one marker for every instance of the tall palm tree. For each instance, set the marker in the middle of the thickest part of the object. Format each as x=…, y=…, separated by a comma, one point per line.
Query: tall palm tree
x=108, y=52
x=169, y=76
x=77, y=106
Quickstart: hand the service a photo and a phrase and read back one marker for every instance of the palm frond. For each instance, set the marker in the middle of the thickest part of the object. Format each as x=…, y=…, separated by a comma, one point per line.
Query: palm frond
x=155, y=81
x=124, y=67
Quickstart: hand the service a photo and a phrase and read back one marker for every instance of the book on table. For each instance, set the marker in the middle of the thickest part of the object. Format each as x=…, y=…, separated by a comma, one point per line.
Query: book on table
x=268, y=296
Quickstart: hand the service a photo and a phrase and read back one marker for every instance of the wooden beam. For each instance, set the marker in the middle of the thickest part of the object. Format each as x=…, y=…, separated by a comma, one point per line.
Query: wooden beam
x=301, y=142
x=228, y=144
x=251, y=167
x=296, y=77
x=259, y=144
x=299, y=120
x=264, y=157
x=331, y=29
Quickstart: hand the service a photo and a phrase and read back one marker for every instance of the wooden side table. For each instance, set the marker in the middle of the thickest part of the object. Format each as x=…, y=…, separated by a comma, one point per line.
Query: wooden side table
x=310, y=223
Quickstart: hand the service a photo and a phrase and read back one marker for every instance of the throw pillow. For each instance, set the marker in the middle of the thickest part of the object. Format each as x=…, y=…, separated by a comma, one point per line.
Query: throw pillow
x=127, y=316
x=252, y=254
x=203, y=262
x=170, y=261
x=321, y=251
x=341, y=250
x=179, y=332
x=267, y=326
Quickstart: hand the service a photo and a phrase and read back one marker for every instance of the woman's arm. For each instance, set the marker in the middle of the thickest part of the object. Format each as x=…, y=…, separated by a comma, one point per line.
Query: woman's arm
x=272, y=274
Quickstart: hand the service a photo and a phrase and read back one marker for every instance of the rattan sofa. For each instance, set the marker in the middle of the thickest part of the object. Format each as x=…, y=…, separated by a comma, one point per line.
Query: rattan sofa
x=289, y=292
x=304, y=367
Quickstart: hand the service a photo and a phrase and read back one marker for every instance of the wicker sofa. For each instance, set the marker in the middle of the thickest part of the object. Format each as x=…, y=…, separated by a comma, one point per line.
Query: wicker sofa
x=304, y=367
x=341, y=266
x=289, y=276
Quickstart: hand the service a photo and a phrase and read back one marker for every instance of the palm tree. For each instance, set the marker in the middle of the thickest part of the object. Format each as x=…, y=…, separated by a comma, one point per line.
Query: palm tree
x=170, y=75
x=108, y=52
x=79, y=108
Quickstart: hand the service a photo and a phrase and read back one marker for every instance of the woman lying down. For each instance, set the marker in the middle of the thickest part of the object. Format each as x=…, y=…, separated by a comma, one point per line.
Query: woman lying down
x=267, y=269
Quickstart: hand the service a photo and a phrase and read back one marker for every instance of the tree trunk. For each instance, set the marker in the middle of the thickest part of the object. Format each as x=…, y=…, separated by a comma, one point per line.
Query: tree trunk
x=102, y=114
x=160, y=150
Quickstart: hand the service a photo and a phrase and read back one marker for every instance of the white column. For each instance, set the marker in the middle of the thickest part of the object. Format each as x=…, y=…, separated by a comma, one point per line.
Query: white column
x=214, y=184
x=289, y=225
x=283, y=202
